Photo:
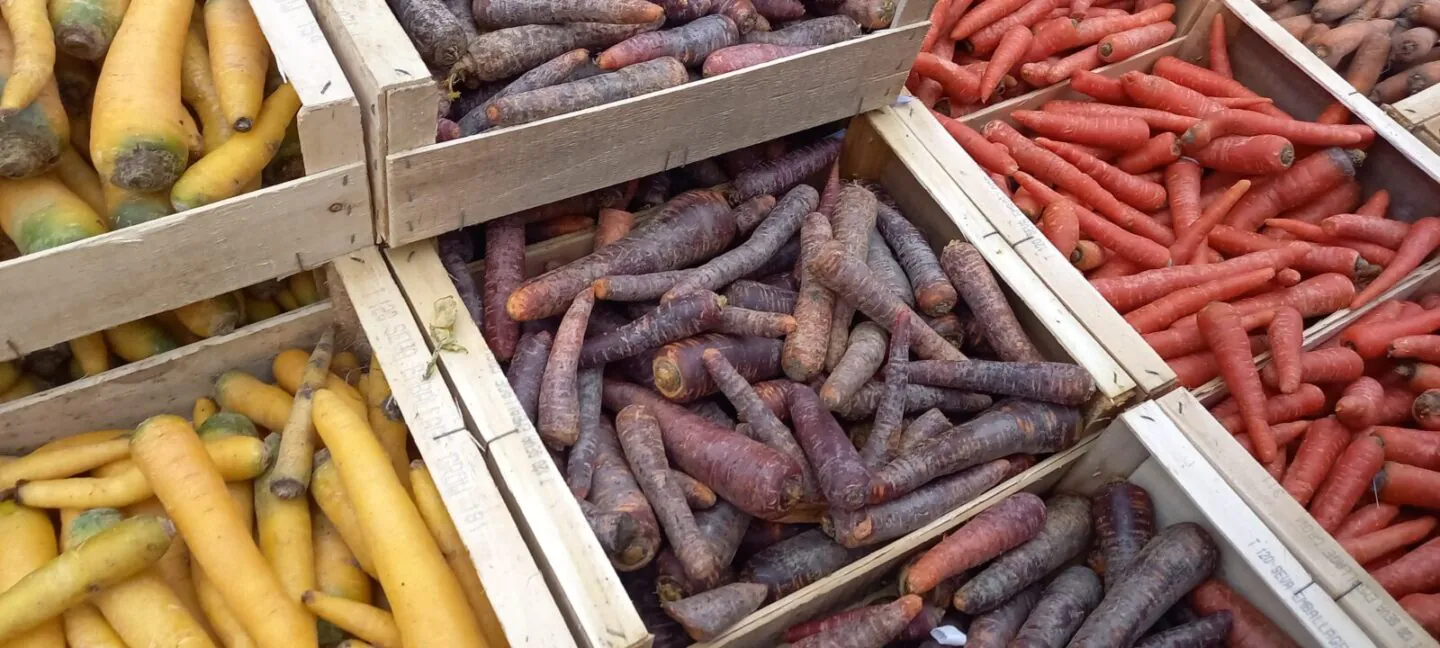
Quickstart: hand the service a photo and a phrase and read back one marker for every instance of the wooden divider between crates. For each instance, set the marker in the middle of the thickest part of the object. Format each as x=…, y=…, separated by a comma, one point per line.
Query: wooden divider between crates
x=100, y=282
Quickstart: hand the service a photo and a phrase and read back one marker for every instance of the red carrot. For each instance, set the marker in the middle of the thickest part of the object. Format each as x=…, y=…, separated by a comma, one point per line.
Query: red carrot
x=1347, y=481
x=1102, y=88
x=1158, y=152
x=994, y=531
x=1220, y=325
x=1140, y=194
x=1414, y=572
x=1286, y=330
x=1307, y=179
x=1423, y=238
x=1219, y=47
x=1249, y=626
x=1123, y=45
x=1324, y=441
x=990, y=155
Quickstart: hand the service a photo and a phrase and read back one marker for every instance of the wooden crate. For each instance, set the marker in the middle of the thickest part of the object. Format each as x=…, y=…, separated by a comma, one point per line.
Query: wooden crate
x=579, y=570
x=423, y=189
x=100, y=282
x=1143, y=446
x=370, y=314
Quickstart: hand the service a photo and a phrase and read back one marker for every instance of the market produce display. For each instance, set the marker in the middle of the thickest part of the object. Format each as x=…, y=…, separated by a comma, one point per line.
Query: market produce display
x=231, y=529
x=1386, y=50
x=111, y=123
x=1002, y=580
x=1350, y=431
x=134, y=341
x=815, y=315
x=976, y=54
x=509, y=63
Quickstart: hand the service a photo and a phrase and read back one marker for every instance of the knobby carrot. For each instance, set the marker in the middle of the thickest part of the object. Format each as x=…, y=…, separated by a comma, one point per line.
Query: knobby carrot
x=1347, y=481
x=1220, y=325
x=1423, y=238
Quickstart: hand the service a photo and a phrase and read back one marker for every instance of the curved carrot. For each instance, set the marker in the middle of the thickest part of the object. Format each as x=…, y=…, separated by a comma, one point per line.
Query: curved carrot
x=1159, y=120
x=1061, y=226
x=1324, y=440
x=1247, y=155
x=1423, y=239
x=1347, y=481
x=1220, y=325
x=1219, y=48
x=1381, y=231
x=1006, y=55
x=1286, y=330
x=1158, y=152
x=1140, y=194
x=1162, y=312
x=1112, y=132
x=1099, y=86
x=1125, y=44
x=1247, y=122
x=1141, y=250
x=1188, y=243
x=990, y=155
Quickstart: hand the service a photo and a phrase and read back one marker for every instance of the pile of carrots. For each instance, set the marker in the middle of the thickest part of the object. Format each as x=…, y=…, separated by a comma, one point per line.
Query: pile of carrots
x=1012, y=576
x=93, y=354
x=214, y=532
x=997, y=49
x=1384, y=48
x=1351, y=430
x=731, y=365
x=516, y=62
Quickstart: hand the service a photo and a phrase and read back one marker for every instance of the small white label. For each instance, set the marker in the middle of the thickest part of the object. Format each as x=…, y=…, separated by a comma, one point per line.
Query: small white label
x=948, y=636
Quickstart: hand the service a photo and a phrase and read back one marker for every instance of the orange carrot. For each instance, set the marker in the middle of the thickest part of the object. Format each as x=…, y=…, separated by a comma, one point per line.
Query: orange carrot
x=1381, y=231
x=1377, y=254
x=1247, y=122
x=984, y=41
x=1121, y=133
x=990, y=155
x=1252, y=155
x=1423, y=348
x=1012, y=46
x=1220, y=325
x=1159, y=93
x=1324, y=440
x=1423, y=239
x=1162, y=312
x=1139, y=249
x=1367, y=519
x=1207, y=82
x=961, y=85
x=985, y=13
x=1347, y=481
x=1125, y=44
x=1286, y=330
x=1102, y=88
x=1414, y=572
x=1333, y=365
x=1140, y=194
x=1188, y=244
x=1307, y=179
x=1061, y=227
x=1219, y=48
x=1050, y=167
x=1159, y=120
x=1158, y=152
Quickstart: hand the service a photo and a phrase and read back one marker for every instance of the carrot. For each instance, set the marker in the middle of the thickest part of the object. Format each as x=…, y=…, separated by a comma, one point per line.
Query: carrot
x=852, y=221
x=1347, y=481
x=631, y=81
x=1414, y=571
x=1124, y=523
x=1424, y=237
x=1307, y=179
x=990, y=155
x=849, y=277
x=984, y=41
x=1123, y=45
x=1220, y=325
x=1065, y=534
x=795, y=562
x=1380, y=231
x=1143, y=251
x=1061, y=227
x=1159, y=120
x=1050, y=167
x=1321, y=446
x=1012, y=427
x=1159, y=93
x=983, y=14
x=968, y=271
x=1249, y=626
x=1140, y=194
x=1063, y=605
x=1004, y=526
x=933, y=292
x=1367, y=519
x=1161, y=313
x=1161, y=150
x=883, y=522
x=1246, y=122
x=1170, y=565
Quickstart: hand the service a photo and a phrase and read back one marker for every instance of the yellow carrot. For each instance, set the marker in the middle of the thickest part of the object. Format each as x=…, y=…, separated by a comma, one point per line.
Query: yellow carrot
x=138, y=340
x=63, y=462
x=265, y=404
x=290, y=476
x=225, y=171
x=442, y=528
x=136, y=139
x=81, y=179
x=203, y=410
x=208, y=318
x=103, y=556
x=197, y=88
x=175, y=462
x=29, y=617
x=385, y=420
x=84, y=28
x=40, y=213
x=239, y=59
x=330, y=496
x=29, y=24
x=428, y=603
x=124, y=207
x=365, y=621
